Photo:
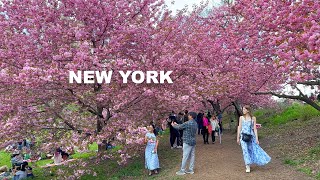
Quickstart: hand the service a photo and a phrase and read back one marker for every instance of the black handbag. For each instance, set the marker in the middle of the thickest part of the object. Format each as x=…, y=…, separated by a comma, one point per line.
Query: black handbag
x=247, y=137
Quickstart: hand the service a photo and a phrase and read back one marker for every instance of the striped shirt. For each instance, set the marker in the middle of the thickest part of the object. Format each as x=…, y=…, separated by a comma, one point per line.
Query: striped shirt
x=189, y=131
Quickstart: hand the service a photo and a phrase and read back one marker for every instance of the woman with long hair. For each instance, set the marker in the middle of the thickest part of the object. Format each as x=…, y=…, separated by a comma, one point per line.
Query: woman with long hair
x=215, y=128
x=151, y=155
x=247, y=137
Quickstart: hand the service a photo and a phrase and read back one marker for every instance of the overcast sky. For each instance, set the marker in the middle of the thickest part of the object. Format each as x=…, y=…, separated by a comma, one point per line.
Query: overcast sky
x=179, y=4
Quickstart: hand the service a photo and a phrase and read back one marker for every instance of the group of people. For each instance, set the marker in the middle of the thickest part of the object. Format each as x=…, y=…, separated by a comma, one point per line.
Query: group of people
x=185, y=130
x=188, y=128
x=175, y=134
x=60, y=155
x=19, y=171
x=209, y=125
x=20, y=158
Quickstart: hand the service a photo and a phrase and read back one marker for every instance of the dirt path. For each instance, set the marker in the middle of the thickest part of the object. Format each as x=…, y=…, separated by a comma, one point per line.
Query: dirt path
x=224, y=161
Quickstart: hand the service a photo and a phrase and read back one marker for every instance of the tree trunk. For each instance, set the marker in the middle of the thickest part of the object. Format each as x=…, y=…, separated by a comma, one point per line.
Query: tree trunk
x=238, y=110
x=215, y=106
x=102, y=147
x=101, y=123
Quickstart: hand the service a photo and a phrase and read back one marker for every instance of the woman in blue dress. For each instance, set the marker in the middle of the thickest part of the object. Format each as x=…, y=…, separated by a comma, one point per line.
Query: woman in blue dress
x=252, y=152
x=151, y=156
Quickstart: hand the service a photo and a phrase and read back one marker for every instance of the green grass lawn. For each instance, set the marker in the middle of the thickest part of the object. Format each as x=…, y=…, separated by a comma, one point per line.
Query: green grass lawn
x=5, y=159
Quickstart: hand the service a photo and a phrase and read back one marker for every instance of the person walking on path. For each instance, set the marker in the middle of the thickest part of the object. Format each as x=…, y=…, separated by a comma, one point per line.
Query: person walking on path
x=189, y=142
x=247, y=137
x=220, y=121
x=151, y=156
x=205, y=131
x=215, y=128
x=200, y=122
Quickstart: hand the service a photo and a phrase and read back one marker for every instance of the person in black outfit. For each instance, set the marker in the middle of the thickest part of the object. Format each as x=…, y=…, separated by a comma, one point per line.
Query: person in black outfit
x=173, y=132
x=180, y=120
x=199, y=121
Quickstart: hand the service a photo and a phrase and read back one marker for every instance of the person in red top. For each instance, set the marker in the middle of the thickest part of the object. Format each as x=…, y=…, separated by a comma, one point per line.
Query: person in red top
x=205, y=131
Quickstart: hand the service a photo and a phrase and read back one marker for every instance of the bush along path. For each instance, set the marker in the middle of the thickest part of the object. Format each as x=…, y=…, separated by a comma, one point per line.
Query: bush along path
x=224, y=161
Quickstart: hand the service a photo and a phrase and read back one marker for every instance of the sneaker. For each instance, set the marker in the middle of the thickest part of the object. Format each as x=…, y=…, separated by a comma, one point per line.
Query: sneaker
x=190, y=172
x=180, y=173
x=179, y=147
x=172, y=147
x=247, y=169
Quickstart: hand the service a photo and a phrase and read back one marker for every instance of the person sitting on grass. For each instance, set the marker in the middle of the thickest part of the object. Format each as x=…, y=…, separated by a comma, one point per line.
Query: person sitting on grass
x=151, y=156
x=4, y=172
x=28, y=170
x=27, y=154
x=57, y=159
x=64, y=155
x=20, y=172
x=3, y=169
x=16, y=160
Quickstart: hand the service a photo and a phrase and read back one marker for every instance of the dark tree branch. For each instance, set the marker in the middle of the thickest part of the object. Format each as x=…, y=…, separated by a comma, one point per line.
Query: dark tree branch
x=300, y=97
x=279, y=95
x=144, y=5
x=60, y=117
x=226, y=107
x=89, y=108
x=311, y=83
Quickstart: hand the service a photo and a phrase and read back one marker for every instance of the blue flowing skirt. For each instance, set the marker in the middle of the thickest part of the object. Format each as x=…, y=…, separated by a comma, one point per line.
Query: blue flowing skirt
x=151, y=159
x=253, y=153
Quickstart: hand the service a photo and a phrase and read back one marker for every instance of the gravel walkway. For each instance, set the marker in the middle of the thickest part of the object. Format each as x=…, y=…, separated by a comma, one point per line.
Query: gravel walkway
x=224, y=161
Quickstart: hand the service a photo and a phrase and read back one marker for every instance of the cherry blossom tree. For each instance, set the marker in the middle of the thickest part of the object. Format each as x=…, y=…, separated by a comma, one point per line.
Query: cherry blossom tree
x=43, y=41
x=219, y=60
x=290, y=32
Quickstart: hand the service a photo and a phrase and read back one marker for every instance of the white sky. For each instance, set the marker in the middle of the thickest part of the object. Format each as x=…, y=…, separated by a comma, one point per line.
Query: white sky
x=180, y=4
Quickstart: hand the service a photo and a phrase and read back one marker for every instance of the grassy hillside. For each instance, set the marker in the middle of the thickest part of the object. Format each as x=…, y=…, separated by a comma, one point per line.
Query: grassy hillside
x=293, y=134
x=283, y=115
